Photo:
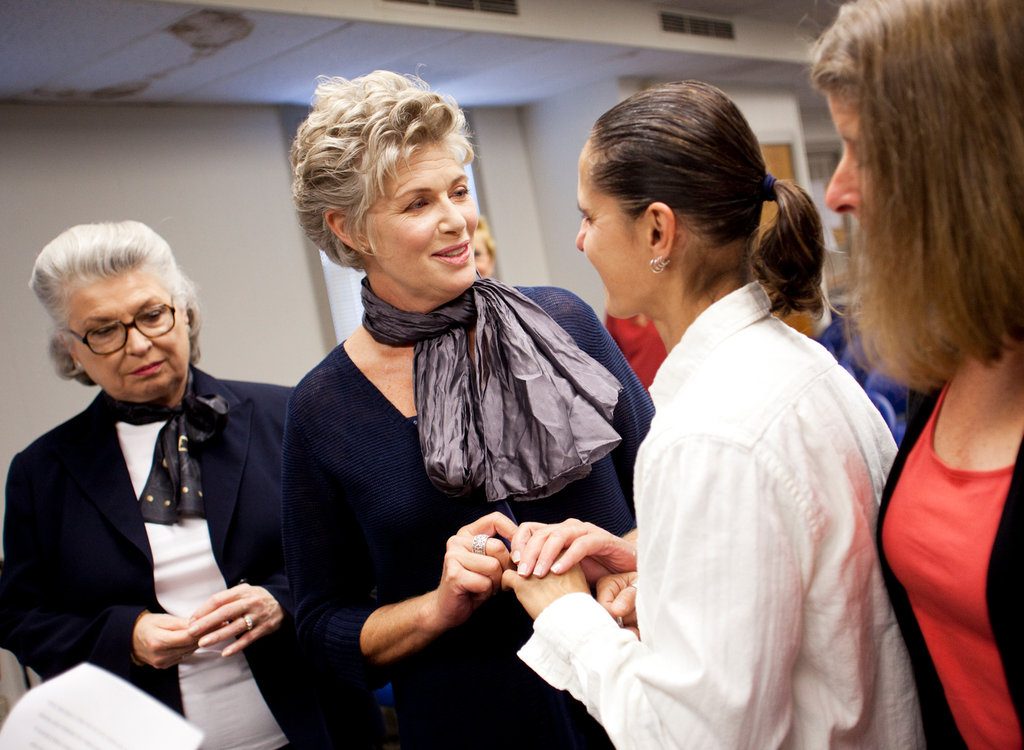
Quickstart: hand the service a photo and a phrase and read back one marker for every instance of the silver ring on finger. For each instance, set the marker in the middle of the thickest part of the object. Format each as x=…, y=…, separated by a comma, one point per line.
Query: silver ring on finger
x=249, y=624
x=480, y=544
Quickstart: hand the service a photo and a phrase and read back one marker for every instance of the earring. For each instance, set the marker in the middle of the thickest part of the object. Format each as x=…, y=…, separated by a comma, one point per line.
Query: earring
x=660, y=263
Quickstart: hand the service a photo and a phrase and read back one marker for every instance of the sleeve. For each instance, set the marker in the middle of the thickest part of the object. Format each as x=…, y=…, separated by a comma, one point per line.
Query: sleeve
x=719, y=605
x=43, y=635
x=271, y=402
x=327, y=562
x=634, y=411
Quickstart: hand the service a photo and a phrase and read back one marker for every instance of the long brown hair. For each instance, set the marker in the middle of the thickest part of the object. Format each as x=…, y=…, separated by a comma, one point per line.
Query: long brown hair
x=936, y=84
x=687, y=145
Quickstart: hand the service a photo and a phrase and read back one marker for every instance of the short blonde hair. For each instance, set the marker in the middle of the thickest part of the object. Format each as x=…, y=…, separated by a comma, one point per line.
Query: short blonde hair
x=357, y=134
x=936, y=86
x=86, y=253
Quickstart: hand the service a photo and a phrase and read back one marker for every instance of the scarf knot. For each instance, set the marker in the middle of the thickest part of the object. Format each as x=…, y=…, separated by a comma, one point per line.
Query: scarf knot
x=174, y=487
x=528, y=413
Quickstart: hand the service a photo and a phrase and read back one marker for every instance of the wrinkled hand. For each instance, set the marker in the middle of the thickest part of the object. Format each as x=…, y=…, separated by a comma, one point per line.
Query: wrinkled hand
x=469, y=578
x=538, y=548
x=222, y=616
x=160, y=640
x=617, y=594
x=535, y=594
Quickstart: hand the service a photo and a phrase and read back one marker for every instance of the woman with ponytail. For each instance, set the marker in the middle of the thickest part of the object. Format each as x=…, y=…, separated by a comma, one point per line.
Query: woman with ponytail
x=762, y=616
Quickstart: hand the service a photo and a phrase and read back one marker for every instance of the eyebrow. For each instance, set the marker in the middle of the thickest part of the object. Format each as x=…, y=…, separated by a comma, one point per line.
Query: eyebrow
x=150, y=303
x=462, y=177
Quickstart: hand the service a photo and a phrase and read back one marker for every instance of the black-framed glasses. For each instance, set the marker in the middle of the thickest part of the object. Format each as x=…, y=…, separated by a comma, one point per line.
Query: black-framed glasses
x=110, y=337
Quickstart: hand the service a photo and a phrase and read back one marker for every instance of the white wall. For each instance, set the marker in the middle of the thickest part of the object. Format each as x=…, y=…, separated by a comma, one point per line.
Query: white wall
x=504, y=183
x=214, y=181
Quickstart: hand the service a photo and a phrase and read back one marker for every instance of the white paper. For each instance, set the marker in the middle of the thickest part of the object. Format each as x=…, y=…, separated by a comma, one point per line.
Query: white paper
x=88, y=708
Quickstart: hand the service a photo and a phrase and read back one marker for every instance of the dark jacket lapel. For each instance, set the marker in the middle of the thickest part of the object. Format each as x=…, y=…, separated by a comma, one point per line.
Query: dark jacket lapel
x=223, y=461
x=93, y=457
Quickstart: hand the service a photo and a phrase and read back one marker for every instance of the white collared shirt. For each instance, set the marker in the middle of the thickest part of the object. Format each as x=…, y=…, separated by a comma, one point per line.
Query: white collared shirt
x=764, y=618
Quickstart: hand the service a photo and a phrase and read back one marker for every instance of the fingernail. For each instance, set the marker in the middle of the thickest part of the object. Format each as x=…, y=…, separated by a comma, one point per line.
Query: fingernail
x=556, y=568
x=521, y=570
x=516, y=556
x=204, y=641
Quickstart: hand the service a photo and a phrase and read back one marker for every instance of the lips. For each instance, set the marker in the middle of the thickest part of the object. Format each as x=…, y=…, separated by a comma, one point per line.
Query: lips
x=456, y=255
x=146, y=370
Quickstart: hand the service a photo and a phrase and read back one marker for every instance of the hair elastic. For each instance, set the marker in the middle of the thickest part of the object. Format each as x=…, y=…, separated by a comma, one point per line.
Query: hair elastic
x=768, y=187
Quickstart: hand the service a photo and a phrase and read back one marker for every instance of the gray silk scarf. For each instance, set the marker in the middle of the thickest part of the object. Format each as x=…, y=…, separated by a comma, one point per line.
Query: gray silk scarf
x=530, y=414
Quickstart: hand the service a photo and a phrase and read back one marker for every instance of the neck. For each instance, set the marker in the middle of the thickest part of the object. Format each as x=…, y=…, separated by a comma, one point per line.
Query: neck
x=1002, y=379
x=681, y=307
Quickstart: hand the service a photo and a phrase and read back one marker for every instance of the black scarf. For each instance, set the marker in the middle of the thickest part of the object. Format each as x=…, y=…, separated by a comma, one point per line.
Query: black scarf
x=527, y=417
x=174, y=487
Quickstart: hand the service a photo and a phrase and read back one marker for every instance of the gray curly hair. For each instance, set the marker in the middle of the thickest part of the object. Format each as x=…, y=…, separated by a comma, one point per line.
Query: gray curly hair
x=87, y=253
x=352, y=142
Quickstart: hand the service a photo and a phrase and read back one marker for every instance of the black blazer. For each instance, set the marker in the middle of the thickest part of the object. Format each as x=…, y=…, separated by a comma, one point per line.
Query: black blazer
x=79, y=570
x=1003, y=593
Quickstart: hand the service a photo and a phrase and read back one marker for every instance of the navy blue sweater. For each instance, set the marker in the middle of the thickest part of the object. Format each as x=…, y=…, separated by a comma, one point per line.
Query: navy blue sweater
x=363, y=526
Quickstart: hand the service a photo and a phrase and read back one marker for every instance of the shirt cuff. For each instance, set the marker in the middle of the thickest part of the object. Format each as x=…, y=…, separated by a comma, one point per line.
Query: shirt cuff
x=560, y=631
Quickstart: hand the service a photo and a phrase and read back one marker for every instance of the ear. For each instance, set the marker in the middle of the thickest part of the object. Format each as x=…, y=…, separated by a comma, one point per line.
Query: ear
x=660, y=227
x=336, y=221
x=66, y=342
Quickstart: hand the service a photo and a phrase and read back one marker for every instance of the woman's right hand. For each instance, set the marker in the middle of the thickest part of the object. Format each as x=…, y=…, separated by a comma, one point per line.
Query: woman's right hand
x=469, y=578
x=160, y=640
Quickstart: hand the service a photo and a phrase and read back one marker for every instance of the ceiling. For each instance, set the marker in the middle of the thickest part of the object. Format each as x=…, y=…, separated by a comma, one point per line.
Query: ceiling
x=175, y=53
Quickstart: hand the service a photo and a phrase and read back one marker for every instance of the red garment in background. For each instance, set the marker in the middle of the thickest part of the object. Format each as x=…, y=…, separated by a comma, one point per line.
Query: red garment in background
x=640, y=342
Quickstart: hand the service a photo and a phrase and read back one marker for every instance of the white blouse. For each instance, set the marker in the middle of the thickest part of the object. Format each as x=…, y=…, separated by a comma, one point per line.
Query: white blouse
x=219, y=695
x=763, y=615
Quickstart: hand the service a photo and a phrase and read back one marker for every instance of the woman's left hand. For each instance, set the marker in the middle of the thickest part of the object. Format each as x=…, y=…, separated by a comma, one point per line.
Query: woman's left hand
x=229, y=613
x=535, y=594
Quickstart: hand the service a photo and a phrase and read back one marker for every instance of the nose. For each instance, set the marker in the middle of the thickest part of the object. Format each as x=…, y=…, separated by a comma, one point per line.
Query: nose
x=136, y=343
x=580, y=235
x=843, y=193
x=453, y=220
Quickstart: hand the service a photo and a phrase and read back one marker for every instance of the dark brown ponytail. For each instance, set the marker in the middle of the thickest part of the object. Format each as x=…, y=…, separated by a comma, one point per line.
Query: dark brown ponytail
x=787, y=254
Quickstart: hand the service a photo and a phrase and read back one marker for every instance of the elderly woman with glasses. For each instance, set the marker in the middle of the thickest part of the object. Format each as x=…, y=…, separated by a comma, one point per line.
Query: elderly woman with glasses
x=459, y=408
x=143, y=535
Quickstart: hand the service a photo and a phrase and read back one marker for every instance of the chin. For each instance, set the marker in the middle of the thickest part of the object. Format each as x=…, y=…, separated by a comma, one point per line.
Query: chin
x=618, y=309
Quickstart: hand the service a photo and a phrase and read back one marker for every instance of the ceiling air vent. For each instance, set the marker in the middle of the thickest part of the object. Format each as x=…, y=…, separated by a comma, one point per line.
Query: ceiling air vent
x=508, y=7
x=678, y=23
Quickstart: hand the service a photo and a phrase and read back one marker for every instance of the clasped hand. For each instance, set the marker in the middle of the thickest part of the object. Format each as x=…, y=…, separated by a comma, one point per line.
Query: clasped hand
x=163, y=640
x=542, y=563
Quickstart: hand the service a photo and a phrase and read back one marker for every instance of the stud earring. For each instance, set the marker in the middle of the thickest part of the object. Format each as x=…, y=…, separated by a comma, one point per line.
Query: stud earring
x=660, y=263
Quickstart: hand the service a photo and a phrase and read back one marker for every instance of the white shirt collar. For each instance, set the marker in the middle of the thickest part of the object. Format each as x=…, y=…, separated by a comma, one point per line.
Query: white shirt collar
x=725, y=317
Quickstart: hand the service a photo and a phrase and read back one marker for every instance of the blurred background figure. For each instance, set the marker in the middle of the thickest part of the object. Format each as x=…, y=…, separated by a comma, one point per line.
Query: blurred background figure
x=927, y=97
x=143, y=535
x=485, y=249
